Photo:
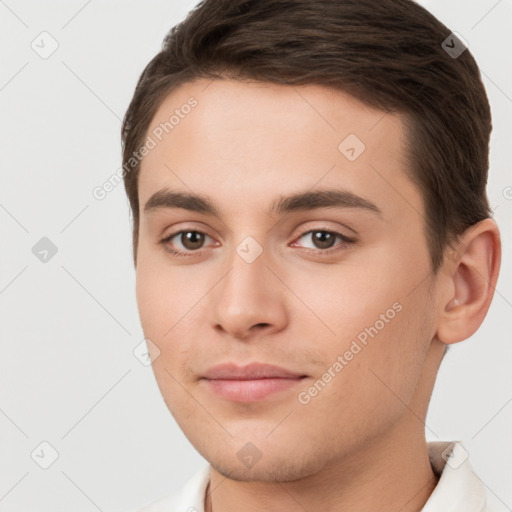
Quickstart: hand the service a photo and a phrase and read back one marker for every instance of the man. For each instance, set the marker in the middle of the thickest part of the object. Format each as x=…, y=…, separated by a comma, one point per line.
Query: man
x=311, y=231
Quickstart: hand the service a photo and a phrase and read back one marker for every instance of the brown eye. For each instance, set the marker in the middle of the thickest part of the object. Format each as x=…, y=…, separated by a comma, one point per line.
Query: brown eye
x=323, y=239
x=185, y=242
x=192, y=240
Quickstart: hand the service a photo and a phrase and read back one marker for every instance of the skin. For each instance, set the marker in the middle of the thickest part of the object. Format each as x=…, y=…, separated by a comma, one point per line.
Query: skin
x=359, y=444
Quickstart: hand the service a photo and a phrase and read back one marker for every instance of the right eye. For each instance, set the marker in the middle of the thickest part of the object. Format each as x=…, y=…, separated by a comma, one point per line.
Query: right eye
x=191, y=241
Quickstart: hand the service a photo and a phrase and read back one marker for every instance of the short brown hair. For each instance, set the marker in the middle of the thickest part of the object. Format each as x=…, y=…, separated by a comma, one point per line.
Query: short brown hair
x=386, y=53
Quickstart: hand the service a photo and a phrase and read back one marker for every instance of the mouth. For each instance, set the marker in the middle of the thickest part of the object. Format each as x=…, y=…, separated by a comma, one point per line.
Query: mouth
x=251, y=383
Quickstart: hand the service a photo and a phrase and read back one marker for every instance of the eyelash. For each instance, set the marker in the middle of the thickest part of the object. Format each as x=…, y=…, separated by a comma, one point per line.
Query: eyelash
x=346, y=242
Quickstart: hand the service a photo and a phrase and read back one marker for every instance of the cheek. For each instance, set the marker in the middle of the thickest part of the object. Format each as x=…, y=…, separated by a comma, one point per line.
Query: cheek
x=369, y=372
x=169, y=304
x=345, y=298
x=165, y=293
x=163, y=302
x=374, y=315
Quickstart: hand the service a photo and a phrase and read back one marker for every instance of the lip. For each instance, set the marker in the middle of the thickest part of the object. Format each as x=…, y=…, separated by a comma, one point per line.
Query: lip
x=230, y=371
x=249, y=383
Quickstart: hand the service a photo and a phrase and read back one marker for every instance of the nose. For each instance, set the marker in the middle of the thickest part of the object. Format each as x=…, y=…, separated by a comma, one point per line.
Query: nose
x=249, y=301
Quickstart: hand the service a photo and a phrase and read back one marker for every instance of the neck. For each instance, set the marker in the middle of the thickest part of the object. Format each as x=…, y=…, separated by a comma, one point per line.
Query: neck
x=387, y=475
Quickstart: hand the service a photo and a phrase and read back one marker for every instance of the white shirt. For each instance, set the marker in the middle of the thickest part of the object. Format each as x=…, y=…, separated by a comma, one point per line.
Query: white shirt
x=458, y=488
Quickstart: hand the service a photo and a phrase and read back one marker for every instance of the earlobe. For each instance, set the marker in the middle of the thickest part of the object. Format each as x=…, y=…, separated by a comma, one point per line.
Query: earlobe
x=472, y=273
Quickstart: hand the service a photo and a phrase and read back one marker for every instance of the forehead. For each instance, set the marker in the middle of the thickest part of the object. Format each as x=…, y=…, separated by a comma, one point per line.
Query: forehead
x=250, y=140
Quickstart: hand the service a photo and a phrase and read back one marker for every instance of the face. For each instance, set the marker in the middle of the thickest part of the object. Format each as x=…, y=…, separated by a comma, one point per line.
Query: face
x=332, y=286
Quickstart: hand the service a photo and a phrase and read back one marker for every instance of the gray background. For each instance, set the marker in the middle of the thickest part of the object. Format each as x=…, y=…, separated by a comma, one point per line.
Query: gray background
x=69, y=326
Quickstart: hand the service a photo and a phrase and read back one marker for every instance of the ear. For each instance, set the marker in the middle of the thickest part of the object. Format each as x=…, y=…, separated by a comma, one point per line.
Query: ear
x=470, y=274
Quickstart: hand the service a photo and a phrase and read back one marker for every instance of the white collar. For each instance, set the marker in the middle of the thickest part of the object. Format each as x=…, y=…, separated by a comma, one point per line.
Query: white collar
x=458, y=489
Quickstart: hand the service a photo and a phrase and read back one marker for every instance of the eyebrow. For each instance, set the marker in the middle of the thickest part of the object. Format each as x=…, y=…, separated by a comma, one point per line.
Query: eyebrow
x=302, y=201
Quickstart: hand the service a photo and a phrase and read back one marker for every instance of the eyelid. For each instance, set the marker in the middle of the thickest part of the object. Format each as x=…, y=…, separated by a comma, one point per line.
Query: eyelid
x=341, y=231
x=344, y=241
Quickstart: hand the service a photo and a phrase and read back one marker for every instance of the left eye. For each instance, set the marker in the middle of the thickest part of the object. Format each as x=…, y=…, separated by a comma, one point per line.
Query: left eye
x=323, y=239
